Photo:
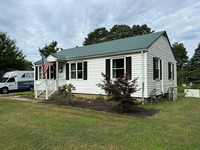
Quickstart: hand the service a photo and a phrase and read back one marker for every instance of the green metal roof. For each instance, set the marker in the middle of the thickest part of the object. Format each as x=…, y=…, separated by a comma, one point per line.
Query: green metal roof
x=115, y=46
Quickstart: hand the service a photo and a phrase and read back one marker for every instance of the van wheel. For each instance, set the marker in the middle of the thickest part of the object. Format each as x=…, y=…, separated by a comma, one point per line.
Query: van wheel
x=5, y=90
x=31, y=88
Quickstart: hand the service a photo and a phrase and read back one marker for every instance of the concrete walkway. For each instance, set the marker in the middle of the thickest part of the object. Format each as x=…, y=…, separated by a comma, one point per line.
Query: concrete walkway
x=10, y=96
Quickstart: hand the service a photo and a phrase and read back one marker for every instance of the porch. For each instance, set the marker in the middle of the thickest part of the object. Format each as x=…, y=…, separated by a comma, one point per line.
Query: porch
x=54, y=78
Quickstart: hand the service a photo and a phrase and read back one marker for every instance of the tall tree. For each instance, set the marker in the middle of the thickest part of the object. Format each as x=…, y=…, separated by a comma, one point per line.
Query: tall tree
x=97, y=36
x=194, y=74
x=195, y=61
x=119, y=32
x=116, y=32
x=180, y=54
x=139, y=30
x=11, y=58
x=49, y=49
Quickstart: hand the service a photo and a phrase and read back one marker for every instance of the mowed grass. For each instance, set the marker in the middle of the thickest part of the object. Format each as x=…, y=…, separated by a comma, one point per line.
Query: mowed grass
x=26, y=125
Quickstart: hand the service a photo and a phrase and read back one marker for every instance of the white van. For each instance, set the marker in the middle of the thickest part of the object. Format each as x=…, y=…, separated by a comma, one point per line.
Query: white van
x=17, y=80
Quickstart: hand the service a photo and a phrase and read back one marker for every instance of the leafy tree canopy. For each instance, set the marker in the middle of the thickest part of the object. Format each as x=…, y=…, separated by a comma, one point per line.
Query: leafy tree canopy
x=119, y=32
x=97, y=36
x=116, y=32
x=180, y=54
x=49, y=49
x=11, y=58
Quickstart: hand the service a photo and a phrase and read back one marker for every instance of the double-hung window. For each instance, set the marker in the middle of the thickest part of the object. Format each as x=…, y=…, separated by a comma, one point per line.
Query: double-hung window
x=80, y=70
x=73, y=70
x=77, y=70
x=118, y=67
x=157, y=68
x=170, y=71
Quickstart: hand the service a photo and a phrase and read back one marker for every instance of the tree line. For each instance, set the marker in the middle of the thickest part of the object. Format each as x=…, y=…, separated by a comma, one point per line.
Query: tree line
x=188, y=70
x=100, y=35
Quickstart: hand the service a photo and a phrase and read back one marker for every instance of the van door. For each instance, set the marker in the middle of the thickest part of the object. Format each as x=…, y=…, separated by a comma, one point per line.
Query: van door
x=12, y=84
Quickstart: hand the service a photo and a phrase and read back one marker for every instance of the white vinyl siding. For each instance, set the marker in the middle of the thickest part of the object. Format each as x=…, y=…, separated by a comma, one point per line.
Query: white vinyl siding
x=160, y=49
x=89, y=86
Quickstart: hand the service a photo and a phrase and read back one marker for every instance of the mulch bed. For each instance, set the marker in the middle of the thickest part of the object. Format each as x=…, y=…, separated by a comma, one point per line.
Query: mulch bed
x=109, y=107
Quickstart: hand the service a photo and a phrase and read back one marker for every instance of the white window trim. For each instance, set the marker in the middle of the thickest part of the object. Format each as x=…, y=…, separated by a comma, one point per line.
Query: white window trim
x=76, y=63
x=79, y=70
x=171, y=70
x=119, y=57
x=73, y=70
x=158, y=59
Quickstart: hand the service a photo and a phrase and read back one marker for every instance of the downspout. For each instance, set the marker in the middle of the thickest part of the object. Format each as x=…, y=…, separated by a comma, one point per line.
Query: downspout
x=162, y=77
x=142, y=53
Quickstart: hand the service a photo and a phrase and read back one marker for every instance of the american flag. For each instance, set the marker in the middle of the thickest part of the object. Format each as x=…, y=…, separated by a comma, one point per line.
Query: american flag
x=45, y=66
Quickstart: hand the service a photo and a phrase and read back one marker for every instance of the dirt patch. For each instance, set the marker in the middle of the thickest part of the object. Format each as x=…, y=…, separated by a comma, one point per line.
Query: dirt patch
x=110, y=107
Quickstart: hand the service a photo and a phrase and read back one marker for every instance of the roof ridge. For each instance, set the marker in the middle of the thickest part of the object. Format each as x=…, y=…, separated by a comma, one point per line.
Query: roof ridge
x=115, y=40
x=111, y=47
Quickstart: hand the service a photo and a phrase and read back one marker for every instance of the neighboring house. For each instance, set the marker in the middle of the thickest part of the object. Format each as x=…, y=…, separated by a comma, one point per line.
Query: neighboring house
x=148, y=57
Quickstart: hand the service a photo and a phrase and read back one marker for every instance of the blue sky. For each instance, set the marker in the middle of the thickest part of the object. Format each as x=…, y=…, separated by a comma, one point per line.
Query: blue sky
x=34, y=23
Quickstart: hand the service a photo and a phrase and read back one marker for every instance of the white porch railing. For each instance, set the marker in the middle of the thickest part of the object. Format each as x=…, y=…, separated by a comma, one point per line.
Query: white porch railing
x=44, y=86
x=39, y=88
x=51, y=88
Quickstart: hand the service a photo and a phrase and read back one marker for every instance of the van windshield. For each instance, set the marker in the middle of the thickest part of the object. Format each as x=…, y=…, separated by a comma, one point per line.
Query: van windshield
x=3, y=80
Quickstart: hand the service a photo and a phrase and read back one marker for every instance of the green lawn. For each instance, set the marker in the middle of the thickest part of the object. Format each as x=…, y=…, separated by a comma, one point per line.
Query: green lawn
x=25, y=125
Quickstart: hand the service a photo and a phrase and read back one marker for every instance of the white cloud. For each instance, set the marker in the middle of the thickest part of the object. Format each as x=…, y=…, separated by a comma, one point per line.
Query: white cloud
x=36, y=23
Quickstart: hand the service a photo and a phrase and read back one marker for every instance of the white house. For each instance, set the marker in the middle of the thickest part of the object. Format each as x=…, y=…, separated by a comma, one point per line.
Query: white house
x=148, y=57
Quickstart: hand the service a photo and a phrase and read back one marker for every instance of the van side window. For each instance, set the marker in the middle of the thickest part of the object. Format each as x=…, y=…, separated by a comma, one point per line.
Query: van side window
x=11, y=80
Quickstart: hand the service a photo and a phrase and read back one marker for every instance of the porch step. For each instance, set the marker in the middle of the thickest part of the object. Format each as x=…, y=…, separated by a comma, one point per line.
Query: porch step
x=42, y=96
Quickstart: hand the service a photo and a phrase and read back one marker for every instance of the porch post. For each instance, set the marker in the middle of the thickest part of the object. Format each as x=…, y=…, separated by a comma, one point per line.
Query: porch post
x=57, y=73
x=46, y=86
x=162, y=77
x=34, y=81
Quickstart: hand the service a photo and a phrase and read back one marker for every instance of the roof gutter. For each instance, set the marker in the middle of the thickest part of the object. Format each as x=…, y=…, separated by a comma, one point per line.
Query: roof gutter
x=97, y=56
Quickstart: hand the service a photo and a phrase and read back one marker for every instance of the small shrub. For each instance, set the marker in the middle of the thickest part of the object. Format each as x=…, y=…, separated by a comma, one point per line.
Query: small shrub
x=120, y=90
x=64, y=94
x=100, y=98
